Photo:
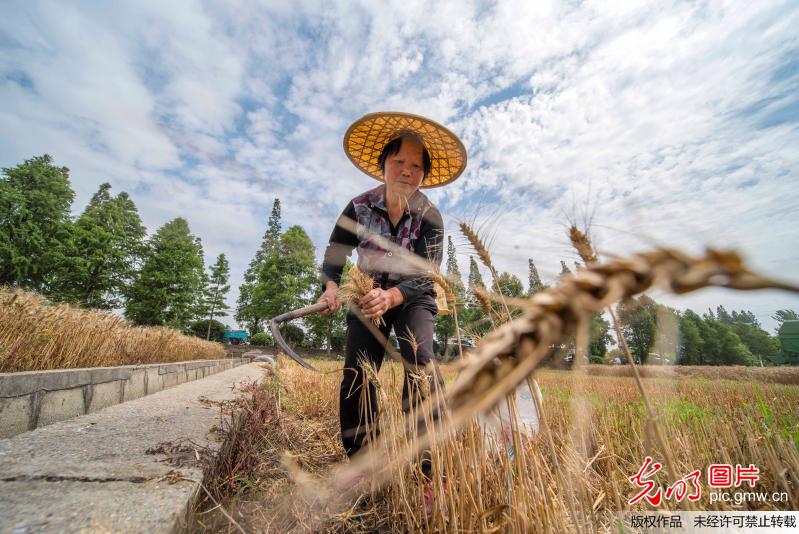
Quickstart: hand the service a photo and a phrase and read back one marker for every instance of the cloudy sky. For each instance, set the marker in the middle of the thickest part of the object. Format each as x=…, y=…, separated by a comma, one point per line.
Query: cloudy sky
x=664, y=122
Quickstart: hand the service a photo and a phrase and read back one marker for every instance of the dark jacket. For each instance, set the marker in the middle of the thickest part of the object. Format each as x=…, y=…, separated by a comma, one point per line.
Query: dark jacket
x=419, y=230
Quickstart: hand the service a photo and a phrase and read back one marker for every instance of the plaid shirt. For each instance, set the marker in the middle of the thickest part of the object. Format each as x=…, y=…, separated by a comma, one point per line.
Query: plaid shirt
x=419, y=230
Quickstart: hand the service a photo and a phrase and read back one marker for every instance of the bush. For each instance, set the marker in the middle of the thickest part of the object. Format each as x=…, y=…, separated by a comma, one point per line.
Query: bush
x=294, y=335
x=262, y=339
x=200, y=329
x=596, y=358
x=338, y=339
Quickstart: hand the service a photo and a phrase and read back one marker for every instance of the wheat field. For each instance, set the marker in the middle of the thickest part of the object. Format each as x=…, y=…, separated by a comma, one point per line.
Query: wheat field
x=599, y=433
x=572, y=475
x=36, y=335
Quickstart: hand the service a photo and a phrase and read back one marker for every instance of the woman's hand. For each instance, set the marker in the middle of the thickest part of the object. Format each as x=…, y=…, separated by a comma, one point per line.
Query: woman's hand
x=329, y=296
x=379, y=301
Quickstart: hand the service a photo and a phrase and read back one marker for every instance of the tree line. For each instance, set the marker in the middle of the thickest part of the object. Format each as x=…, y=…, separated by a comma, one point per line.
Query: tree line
x=103, y=258
x=655, y=333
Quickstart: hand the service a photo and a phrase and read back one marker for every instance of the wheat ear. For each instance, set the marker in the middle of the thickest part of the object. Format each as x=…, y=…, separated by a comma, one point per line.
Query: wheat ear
x=585, y=250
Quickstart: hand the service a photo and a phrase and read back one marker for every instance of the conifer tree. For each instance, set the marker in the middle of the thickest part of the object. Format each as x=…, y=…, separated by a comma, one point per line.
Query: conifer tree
x=246, y=307
x=218, y=288
x=534, y=284
x=475, y=278
x=445, y=324
x=104, y=251
x=170, y=287
x=453, y=271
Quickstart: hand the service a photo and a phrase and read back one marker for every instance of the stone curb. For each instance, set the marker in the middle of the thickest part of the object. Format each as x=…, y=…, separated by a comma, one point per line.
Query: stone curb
x=133, y=467
x=32, y=399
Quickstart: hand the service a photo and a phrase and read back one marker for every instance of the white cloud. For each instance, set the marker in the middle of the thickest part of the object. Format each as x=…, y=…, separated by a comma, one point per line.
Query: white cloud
x=651, y=115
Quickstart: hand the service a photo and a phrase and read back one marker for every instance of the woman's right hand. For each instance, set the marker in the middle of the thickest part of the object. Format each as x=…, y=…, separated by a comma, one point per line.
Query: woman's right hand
x=329, y=296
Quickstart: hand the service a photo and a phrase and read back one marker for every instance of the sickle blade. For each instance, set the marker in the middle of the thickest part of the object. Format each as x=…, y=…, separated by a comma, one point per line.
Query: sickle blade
x=274, y=326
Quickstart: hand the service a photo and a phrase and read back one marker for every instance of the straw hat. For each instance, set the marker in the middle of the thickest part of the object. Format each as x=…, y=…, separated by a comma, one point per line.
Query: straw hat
x=365, y=139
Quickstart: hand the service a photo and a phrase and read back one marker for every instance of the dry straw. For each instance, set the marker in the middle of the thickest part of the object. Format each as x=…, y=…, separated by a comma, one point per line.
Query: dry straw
x=552, y=482
x=506, y=356
x=357, y=285
x=36, y=335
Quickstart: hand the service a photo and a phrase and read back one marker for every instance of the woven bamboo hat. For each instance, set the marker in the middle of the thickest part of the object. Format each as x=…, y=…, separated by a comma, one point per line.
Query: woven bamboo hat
x=366, y=138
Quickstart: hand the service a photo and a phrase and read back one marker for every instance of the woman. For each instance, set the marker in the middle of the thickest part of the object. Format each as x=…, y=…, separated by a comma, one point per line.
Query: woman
x=405, y=152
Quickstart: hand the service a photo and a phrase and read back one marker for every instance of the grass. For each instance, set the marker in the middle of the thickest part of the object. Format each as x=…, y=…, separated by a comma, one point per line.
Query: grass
x=599, y=432
x=35, y=335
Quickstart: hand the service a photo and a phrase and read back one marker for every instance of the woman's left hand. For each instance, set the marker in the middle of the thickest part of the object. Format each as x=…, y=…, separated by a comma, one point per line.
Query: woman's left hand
x=378, y=301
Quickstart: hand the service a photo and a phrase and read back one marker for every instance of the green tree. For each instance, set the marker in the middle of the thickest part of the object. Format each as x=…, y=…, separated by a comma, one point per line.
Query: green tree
x=217, y=290
x=475, y=320
x=760, y=344
x=534, y=284
x=599, y=338
x=784, y=315
x=35, y=199
x=169, y=288
x=723, y=315
x=564, y=269
x=327, y=330
x=509, y=285
x=247, y=306
x=691, y=344
x=733, y=351
x=288, y=279
x=637, y=319
x=720, y=344
x=445, y=324
x=105, y=249
x=667, y=334
x=475, y=280
x=262, y=339
x=203, y=327
x=745, y=316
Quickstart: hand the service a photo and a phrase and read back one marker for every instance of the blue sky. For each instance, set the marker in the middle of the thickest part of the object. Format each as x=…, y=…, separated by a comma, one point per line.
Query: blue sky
x=672, y=123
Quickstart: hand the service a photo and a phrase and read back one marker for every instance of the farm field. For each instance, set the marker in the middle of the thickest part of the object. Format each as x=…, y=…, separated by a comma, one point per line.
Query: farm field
x=36, y=336
x=599, y=434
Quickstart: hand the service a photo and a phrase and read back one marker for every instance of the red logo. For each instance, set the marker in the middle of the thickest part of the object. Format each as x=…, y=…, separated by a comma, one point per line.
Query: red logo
x=718, y=476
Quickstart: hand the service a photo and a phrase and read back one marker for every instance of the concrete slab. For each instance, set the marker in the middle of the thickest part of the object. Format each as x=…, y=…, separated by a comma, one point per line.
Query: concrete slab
x=95, y=506
x=134, y=387
x=105, y=395
x=154, y=383
x=93, y=473
x=60, y=405
x=169, y=380
x=15, y=415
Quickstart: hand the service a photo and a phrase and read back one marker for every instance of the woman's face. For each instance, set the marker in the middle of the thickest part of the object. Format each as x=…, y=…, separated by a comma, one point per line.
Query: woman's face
x=404, y=171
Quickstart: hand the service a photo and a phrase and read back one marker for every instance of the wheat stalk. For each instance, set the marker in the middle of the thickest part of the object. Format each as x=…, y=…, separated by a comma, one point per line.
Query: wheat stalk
x=506, y=356
x=514, y=350
x=358, y=284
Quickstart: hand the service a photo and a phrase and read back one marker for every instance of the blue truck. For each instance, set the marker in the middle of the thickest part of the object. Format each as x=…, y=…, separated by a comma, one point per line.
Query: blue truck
x=236, y=337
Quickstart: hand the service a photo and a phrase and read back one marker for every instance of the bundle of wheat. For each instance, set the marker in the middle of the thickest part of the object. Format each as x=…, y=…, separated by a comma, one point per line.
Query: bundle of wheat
x=357, y=285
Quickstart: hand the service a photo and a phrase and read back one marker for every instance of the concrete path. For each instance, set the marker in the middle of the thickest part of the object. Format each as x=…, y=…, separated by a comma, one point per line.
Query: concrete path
x=93, y=473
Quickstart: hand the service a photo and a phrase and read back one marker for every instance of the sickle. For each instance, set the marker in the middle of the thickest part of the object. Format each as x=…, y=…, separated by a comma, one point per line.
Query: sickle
x=296, y=314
